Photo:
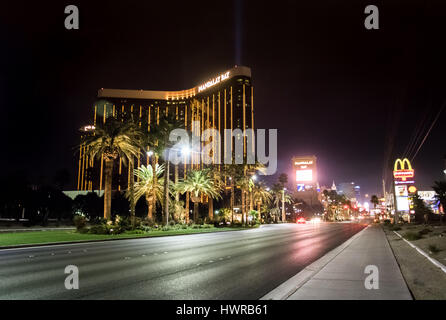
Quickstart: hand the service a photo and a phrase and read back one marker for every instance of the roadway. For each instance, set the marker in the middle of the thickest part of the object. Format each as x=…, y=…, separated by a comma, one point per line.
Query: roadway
x=228, y=265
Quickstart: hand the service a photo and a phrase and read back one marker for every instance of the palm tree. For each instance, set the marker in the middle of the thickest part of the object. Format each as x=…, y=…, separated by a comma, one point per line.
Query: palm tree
x=145, y=186
x=161, y=145
x=112, y=140
x=261, y=195
x=374, y=199
x=218, y=177
x=283, y=179
x=245, y=183
x=231, y=171
x=199, y=182
x=279, y=195
x=241, y=175
x=440, y=190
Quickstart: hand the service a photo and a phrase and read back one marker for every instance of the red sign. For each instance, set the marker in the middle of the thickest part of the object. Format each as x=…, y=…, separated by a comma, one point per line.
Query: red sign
x=403, y=174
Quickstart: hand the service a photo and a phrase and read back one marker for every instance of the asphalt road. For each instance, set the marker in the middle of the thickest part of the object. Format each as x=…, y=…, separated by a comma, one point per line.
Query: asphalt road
x=228, y=265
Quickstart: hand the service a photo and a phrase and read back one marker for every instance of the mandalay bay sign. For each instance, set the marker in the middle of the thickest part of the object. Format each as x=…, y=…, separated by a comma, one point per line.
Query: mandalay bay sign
x=214, y=81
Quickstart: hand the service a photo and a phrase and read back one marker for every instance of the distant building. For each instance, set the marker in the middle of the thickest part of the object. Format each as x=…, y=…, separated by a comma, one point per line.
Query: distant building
x=347, y=189
x=358, y=193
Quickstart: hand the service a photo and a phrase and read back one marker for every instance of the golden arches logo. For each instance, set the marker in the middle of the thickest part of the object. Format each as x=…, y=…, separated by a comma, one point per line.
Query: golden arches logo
x=402, y=164
x=403, y=173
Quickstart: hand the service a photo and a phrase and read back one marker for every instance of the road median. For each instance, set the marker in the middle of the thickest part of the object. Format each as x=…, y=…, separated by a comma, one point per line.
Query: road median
x=15, y=240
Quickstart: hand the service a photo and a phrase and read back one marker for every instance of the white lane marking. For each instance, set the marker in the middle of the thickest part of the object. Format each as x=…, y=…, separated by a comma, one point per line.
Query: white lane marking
x=432, y=260
x=127, y=258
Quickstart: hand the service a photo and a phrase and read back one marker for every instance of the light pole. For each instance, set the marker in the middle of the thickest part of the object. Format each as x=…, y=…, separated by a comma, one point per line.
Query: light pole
x=283, y=204
x=395, y=206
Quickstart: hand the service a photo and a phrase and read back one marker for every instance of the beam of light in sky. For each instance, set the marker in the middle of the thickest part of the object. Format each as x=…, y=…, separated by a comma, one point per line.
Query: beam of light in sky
x=238, y=6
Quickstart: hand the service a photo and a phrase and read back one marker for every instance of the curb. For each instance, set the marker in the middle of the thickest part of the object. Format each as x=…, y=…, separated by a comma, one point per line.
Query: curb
x=286, y=289
x=432, y=260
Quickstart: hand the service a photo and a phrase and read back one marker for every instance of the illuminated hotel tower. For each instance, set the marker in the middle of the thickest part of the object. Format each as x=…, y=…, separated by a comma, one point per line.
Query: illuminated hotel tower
x=224, y=101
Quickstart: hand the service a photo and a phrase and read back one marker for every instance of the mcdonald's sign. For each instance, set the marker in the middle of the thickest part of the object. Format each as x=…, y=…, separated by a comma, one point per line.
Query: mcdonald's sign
x=402, y=170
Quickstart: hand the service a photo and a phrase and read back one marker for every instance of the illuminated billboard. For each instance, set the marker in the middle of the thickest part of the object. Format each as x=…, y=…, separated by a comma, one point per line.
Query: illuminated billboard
x=402, y=170
x=402, y=203
x=306, y=173
x=402, y=199
x=403, y=177
x=401, y=191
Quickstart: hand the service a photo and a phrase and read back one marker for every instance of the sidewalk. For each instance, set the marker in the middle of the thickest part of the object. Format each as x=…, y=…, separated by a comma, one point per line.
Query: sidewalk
x=340, y=274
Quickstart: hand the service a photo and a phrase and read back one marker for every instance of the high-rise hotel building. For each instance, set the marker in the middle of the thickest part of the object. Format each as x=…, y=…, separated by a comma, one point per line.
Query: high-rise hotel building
x=225, y=101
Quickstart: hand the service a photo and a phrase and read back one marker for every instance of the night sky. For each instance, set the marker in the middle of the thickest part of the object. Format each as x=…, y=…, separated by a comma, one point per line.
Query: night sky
x=352, y=97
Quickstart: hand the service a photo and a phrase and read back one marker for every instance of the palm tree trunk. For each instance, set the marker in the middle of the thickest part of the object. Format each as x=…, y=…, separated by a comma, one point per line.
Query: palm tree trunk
x=187, y=207
x=166, y=191
x=258, y=210
x=150, y=210
x=177, y=194
x=243, y=207
x=283, y=206
x=232, y=202
x=211, y=208
x=155, y=186
x=247, y=205
x=251, y=201
x=195, y=212
x=108, y=188
x=132, y=193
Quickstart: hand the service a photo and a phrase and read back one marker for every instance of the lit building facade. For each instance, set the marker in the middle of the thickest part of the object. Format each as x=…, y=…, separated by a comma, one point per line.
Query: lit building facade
x=225, y=101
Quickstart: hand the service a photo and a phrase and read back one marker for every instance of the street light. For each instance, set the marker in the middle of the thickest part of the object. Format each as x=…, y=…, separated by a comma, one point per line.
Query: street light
x=185, y=150
x=149, y=153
